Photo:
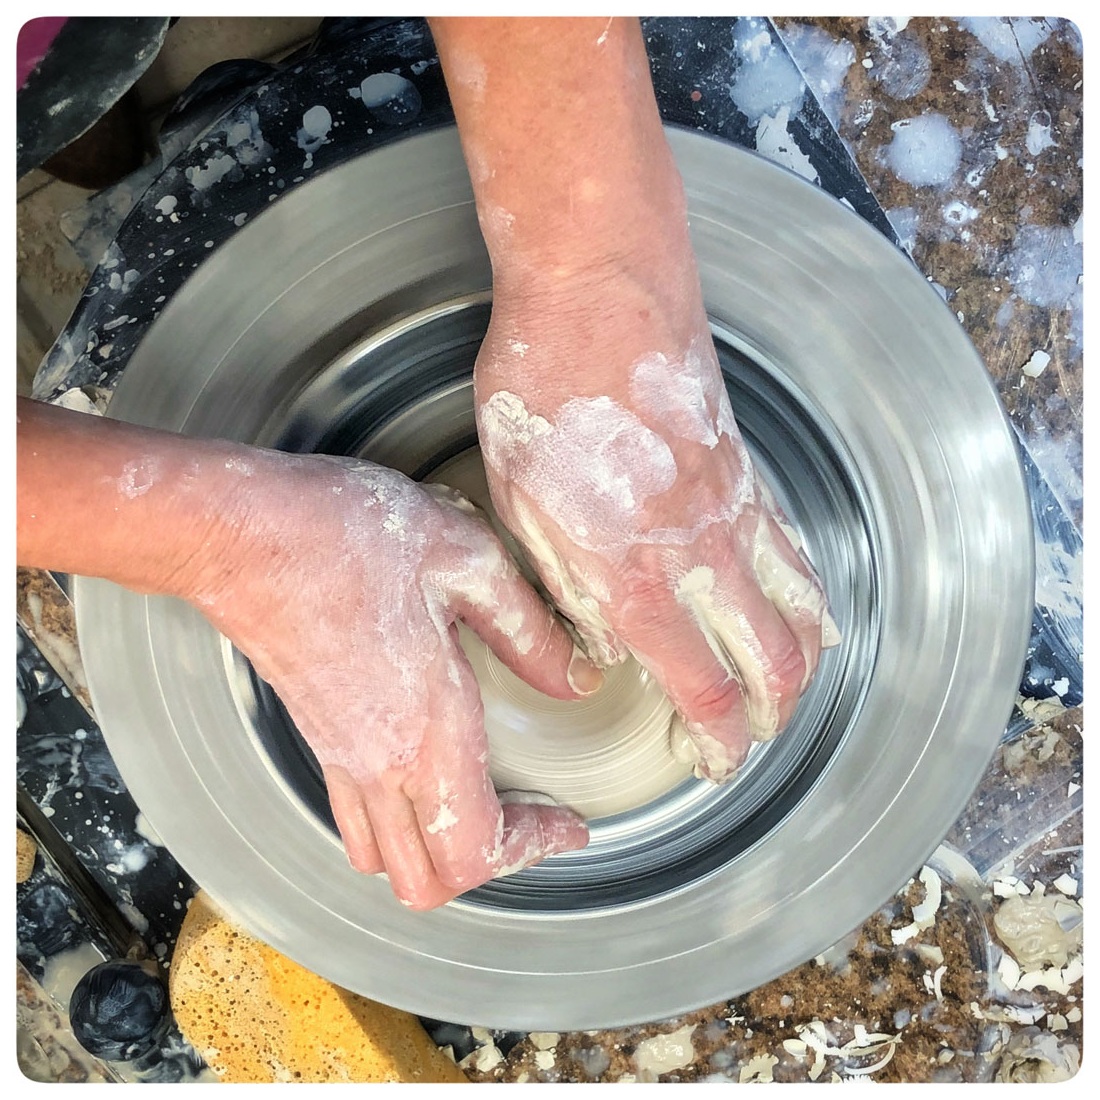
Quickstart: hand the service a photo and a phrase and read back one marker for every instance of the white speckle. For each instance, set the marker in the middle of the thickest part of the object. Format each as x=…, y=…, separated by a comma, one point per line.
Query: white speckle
x=925, y=150
x=664, y=1053
x=484, y=1058
x=958, y=213
x=1066, y=884
x=137, y=478
x=775, y=141
x=1060, y=686
x=1072, y=789
x=758, y=1070
x=444, y=820
x=544, y=1059
x=246, y=139
x=1008, y=970
x=144, y=829
x=167, y=204
x=137, y=919
x=217, y=168
x=765, y=78
x=78, y=400
x=316, y=123
x=379, y=88
x=1038, y=133
x=960, y=86
x=924, y=914
x=867, y=63
x=886, y=27
x=937, y=978
x=240, y=219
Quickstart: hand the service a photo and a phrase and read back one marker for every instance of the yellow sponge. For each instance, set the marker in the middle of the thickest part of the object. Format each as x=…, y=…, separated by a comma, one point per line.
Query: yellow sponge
x=255, y=1016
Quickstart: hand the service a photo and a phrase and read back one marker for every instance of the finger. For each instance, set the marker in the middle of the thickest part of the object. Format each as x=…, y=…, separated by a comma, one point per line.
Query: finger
x=410, y=869
x=794, y=590
x=527, y=636
x=728, y=662
x=535, y=830
x=457, y=811
x=460, y=819
x=708, y=699
x=467, y=832
x=350, y=811
x=748, y=639
x=459, y=815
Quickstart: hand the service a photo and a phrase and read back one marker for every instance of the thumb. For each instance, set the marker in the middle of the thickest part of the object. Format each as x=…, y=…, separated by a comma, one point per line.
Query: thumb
x=522, y=630
x=535, y=827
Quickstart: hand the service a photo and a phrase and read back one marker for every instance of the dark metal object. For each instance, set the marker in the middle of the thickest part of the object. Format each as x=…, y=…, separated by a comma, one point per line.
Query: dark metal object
x=97, y=906
x=87, y=70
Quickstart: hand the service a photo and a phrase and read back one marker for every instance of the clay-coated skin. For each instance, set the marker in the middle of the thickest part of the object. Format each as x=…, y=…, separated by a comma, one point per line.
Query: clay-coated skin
x=342, y=581
x=612, y=454
x=611, y=449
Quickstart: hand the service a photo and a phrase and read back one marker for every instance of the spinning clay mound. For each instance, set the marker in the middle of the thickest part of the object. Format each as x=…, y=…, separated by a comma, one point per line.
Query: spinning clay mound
x=257, y=1017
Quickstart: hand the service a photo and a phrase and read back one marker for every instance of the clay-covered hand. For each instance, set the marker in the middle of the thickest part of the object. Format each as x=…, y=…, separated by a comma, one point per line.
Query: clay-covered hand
x=346, y=582
x=613, y=455
x=611, y=449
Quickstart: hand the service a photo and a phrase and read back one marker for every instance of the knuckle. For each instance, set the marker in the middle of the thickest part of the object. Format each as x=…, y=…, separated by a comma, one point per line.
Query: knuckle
x=713, y=699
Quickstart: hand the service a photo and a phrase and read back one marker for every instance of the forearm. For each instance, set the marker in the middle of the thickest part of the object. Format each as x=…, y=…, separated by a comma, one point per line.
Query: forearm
x=100, y=498
x=571, y=170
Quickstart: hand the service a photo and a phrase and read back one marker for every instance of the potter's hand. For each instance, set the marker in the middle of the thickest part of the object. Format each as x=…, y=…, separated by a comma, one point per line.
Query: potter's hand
x=611, y=449
x=341, y=581
x=347, y=582
x=613, y=455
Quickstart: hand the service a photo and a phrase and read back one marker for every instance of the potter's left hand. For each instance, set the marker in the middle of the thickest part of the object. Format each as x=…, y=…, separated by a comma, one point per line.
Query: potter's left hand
x=613, y=455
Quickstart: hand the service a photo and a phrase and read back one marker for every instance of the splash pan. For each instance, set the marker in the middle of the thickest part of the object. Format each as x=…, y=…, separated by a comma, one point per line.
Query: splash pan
x=346, y=319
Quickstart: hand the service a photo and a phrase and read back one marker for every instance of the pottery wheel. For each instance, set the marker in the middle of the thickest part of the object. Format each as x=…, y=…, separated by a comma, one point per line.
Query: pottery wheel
x=346, y=319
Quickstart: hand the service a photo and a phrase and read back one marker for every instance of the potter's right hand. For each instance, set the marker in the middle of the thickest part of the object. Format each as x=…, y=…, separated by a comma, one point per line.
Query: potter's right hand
x=343, y=586
x=342, y=582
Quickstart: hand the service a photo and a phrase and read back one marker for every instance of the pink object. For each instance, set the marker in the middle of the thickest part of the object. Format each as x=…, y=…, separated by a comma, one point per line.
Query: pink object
x=35, y=38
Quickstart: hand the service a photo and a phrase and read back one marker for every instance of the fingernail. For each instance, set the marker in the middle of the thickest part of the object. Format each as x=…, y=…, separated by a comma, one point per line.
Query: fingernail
x=583, y=676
